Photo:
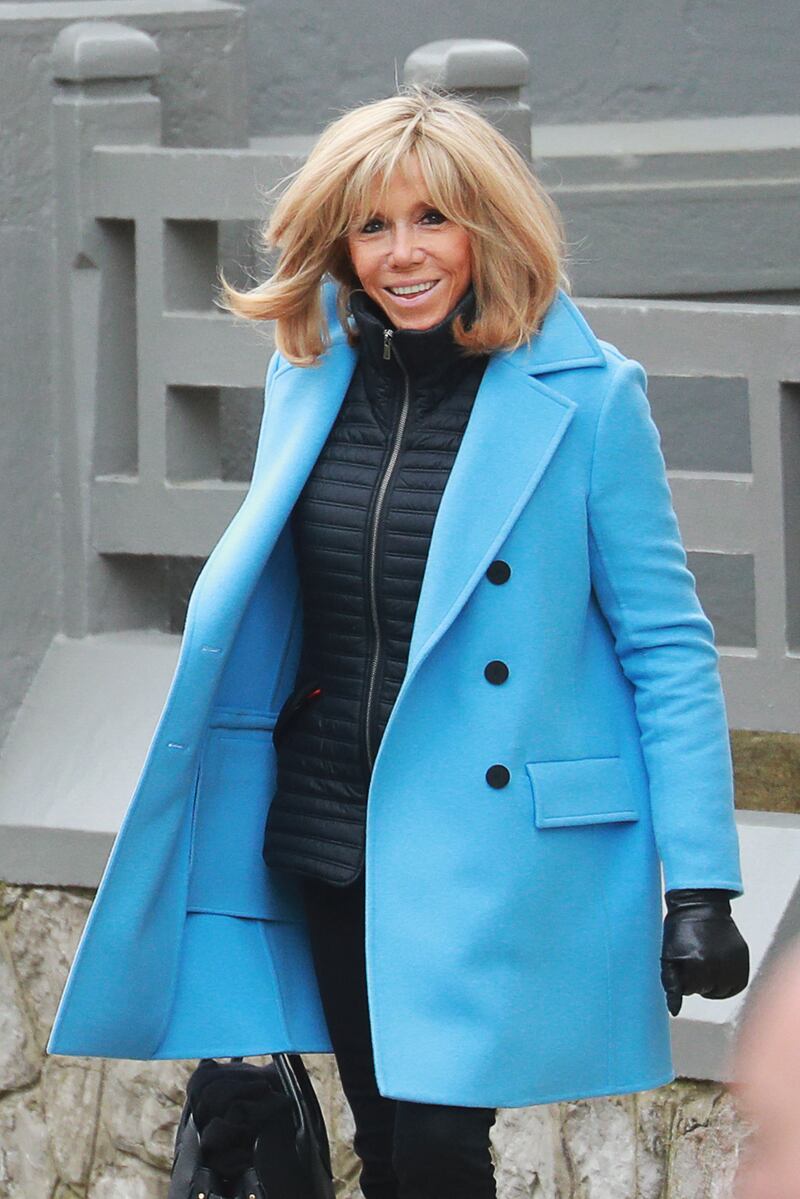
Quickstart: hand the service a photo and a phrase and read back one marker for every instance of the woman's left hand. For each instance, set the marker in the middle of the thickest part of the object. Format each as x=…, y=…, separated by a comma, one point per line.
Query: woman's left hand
x=702, y=951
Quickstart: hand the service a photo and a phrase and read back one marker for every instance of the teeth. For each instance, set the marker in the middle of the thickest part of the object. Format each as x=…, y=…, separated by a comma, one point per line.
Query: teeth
x=411, y=291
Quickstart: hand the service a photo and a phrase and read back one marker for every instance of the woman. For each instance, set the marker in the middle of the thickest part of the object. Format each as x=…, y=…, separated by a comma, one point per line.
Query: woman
x=451, y=640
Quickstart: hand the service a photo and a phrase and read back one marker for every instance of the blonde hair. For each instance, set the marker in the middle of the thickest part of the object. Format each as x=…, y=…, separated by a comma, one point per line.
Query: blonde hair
x=475, y=177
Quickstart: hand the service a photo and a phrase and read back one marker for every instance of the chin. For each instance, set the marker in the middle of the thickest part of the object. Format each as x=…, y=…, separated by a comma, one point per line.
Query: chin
x=404, y=320
x=420, y=325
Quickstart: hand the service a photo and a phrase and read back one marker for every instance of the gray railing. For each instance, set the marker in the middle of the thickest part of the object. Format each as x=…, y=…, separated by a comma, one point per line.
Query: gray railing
x=724, y=389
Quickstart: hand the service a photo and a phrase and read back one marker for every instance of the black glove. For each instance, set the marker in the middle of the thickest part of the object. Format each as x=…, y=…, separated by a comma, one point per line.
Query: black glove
x=231, y=1103
x=702, y=949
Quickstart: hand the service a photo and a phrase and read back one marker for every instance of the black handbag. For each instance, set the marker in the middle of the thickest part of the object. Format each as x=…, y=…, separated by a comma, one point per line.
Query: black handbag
x=291, y=1158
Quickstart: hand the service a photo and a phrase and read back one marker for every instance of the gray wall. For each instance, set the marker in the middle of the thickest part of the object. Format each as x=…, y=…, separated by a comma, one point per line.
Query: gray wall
x=619, y=60
x=28, y=463
x=202, y=104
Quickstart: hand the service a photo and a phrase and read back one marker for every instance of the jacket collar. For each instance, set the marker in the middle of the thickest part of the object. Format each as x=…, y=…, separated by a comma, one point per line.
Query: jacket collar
x=564, y=339
x=429, y=355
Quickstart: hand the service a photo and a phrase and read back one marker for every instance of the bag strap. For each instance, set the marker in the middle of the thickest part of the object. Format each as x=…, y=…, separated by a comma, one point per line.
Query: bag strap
x=295, y=1075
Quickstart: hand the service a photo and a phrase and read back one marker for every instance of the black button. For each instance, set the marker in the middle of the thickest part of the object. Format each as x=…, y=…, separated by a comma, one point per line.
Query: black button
x=498, y=775
x=496, y=672
x=498, y=571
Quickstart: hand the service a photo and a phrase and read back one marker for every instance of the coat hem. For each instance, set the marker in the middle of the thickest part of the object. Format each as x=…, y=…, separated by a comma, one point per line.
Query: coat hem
x=622, y=1088
x=171, y=1056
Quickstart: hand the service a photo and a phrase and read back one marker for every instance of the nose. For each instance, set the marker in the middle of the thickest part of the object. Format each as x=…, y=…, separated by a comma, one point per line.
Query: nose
x=403, y=249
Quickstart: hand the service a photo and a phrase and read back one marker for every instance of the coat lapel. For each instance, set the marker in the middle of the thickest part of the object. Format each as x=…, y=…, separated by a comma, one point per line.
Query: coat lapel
x=512, y=433
x=299, y=413
x=515, y=427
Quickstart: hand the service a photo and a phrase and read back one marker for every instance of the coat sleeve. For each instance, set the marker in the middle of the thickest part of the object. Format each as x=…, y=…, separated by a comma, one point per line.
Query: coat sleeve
x=664, y=641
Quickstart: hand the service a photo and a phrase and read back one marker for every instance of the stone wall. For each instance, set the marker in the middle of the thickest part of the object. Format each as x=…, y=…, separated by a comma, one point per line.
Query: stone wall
x=90, y=1128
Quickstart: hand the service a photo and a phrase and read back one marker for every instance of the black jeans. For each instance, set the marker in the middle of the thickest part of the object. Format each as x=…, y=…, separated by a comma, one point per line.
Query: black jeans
x=408, y=1150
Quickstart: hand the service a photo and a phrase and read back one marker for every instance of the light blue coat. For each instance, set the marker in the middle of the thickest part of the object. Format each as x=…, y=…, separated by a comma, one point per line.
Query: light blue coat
x=512, y=934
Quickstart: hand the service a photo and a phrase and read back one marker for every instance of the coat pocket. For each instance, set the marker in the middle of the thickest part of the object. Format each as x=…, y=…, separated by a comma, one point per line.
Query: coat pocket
x=581, y=791
x=226, y=873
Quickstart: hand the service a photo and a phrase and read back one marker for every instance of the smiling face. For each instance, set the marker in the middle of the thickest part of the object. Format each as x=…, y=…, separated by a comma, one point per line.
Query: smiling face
x=408, y=244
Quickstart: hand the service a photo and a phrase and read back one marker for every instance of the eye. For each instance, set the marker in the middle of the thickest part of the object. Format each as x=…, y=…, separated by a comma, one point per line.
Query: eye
x=372, y=221
x=438, y=216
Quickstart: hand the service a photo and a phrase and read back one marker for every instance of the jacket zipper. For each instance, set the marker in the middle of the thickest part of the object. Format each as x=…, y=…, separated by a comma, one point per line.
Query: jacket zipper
x=383, y=488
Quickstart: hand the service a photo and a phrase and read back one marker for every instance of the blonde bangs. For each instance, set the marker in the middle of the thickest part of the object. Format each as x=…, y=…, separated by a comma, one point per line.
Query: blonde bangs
x=448, y=190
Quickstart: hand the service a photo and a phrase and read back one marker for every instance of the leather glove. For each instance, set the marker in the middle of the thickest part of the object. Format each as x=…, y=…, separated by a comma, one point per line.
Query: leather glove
x=702, y=949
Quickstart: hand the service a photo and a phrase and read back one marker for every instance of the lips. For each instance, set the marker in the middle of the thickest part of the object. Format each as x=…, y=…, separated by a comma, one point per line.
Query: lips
x=412, y=295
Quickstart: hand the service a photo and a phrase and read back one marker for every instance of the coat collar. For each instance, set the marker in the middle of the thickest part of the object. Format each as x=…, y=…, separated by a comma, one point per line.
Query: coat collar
x=564, y=341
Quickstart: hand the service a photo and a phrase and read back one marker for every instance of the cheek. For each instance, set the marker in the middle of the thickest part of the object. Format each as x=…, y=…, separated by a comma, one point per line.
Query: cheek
x=359, y=258
x=461, y=257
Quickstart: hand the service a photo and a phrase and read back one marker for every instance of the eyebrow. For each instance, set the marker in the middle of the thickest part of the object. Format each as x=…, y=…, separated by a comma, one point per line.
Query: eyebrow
x=422, y=204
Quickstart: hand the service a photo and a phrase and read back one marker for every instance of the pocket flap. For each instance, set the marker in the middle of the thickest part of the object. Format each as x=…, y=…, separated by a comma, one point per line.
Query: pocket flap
x=581, y=791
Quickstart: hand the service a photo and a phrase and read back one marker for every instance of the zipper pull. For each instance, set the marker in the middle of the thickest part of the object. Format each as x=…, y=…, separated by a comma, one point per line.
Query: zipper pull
x=387, y=344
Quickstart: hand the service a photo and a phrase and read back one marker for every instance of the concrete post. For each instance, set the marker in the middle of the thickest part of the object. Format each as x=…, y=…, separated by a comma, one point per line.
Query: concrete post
x=103, y=72
x=490, y=73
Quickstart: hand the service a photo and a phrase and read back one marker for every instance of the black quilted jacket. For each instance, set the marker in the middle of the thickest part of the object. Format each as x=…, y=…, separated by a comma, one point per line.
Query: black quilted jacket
x=361, y=529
